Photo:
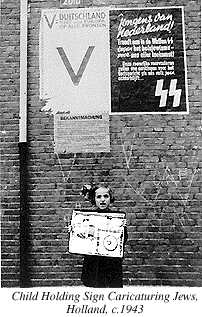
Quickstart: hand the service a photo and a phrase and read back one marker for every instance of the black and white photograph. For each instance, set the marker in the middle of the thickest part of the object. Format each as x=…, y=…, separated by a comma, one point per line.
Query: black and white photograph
x=101, y=158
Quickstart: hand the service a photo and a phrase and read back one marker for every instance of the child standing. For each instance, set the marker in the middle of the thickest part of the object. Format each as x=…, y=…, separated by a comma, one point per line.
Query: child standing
x=102, y=271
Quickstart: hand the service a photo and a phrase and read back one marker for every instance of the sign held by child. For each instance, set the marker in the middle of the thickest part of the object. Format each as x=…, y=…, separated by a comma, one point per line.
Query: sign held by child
x=97, y=233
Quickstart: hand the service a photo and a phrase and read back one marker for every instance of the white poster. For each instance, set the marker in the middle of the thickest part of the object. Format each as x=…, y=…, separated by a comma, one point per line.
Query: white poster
x=81, y=133
x=97, y=233
x=75, y=60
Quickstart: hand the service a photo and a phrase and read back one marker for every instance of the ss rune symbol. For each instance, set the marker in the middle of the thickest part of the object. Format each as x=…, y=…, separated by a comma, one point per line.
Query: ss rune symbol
x=163, y=93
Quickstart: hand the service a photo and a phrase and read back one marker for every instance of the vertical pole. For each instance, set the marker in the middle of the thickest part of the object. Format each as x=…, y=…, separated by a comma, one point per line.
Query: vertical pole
x=23, y=72
x=23, y=151
x=24, y=217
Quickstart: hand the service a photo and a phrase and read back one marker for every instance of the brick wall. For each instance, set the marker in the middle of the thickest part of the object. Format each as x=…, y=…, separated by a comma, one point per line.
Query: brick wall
x=10, y=85
x=154, y=167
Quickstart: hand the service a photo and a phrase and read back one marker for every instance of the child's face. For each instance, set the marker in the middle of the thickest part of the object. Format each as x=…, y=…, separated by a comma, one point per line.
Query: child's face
x=102, y=198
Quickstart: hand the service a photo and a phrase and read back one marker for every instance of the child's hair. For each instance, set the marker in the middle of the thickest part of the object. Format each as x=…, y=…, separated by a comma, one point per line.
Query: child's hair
x=88, y=191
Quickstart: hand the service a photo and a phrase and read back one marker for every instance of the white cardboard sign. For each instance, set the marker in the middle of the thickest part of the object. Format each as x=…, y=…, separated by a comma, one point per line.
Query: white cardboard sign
x=97, y=233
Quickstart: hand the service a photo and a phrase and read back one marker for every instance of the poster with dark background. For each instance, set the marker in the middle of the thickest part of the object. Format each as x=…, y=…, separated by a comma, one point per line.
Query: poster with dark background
x=147, y=61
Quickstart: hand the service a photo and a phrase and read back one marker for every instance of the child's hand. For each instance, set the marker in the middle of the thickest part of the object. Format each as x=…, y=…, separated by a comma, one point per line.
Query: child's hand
x=67, y=222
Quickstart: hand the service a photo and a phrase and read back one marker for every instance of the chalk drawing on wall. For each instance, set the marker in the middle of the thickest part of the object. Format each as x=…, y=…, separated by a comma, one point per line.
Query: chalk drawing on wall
x=64, y=176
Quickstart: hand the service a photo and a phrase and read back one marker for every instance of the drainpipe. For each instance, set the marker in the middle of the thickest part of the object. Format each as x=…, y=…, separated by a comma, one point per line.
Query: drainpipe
x=23, y=150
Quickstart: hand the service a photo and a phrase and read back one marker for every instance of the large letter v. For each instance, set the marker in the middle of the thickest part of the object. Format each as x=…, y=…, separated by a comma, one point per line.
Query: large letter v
x=75, y=77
